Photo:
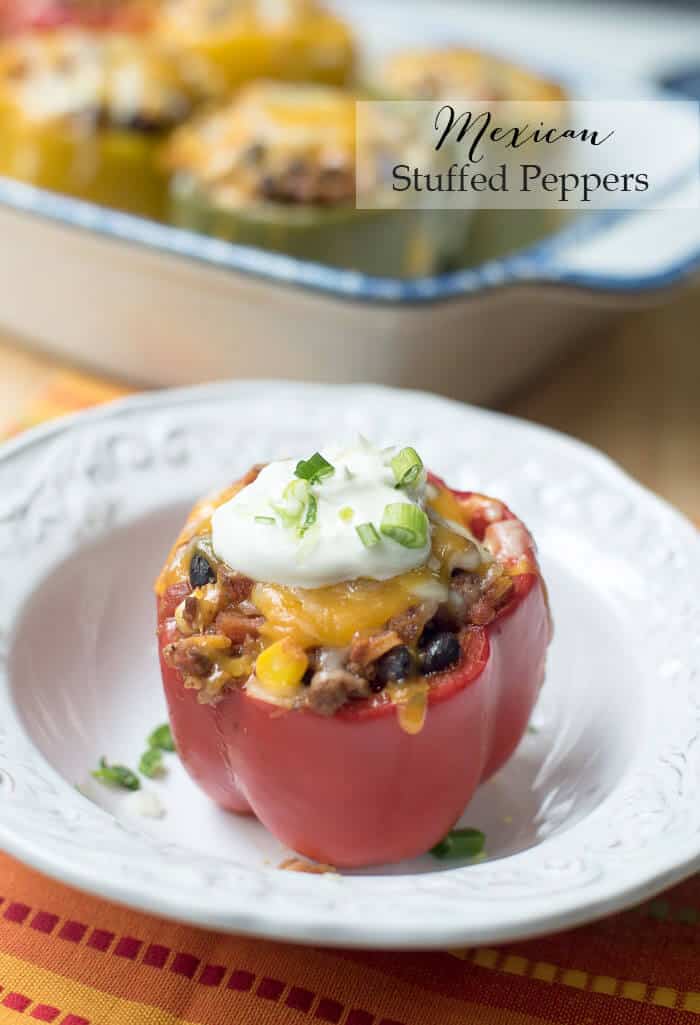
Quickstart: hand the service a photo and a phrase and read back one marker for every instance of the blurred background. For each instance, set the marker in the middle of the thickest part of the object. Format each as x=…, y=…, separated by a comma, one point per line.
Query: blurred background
x=155, y=108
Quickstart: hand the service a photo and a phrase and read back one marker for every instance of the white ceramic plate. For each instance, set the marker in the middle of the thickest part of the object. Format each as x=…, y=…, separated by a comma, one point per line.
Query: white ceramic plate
x=598, y=808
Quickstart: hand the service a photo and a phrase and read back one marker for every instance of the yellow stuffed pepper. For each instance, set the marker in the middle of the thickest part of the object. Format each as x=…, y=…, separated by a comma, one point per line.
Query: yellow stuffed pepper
x=276, y=168
x=84, y=112
x=226, y=43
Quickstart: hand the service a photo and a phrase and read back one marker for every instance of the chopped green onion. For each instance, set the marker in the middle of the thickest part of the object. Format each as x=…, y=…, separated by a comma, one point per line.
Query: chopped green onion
x=294, y=498
x=265, y=519
x=151, y=763
x=405, y=523
x=407, y=467
x=296, y=491
x=289, y=519
x=346, y=513
x=308, y=544
x=460, y=843
x=368, y=535
x=314, y=470
x=310, y=514
x=117, y=775
x=162, y=738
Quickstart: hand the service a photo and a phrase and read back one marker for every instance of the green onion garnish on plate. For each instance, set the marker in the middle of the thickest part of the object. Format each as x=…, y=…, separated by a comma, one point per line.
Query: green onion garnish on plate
x=266, y=519
x=162, y=738
x=314, y=470
x=368, y=535
x=117, y=775
x=406, y=524
x=151, y=763
x=460, y=843
x=407, y=467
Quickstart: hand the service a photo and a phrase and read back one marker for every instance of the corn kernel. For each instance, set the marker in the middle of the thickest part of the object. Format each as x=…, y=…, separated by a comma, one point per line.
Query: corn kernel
x=280, y=668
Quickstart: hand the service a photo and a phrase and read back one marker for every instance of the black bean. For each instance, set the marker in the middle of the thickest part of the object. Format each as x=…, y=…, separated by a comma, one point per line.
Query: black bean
x=442, y=651
x=140, y=123
x=430, y=632
x=269, y=187
x=255, y=153
x=201, y=572
x=298, y=166
x=331, y=173
x=397, y=664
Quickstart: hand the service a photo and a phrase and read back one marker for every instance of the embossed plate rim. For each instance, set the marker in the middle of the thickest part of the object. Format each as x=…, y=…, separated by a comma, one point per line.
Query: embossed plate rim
x=564, y=881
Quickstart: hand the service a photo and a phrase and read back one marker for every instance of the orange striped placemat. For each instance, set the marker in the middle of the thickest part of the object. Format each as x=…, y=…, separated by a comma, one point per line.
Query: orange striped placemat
x=66, y=391
x=72, y=959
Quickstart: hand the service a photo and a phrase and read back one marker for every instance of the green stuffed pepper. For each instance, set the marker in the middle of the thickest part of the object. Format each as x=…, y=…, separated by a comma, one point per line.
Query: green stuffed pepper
x=453, y=73
x=276, y=169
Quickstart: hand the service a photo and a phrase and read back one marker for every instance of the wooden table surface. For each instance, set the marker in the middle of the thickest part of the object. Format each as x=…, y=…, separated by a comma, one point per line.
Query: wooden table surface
x=633, y=392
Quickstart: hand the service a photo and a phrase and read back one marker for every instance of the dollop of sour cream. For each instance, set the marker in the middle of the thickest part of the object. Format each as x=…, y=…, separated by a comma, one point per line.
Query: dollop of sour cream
x=252, y=536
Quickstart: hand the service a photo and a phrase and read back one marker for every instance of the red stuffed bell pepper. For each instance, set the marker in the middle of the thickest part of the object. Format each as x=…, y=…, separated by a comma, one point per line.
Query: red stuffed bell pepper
x=352, y=695
x=120, y=15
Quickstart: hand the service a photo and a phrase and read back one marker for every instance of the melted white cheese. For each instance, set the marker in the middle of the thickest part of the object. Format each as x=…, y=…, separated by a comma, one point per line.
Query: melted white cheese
x=330, y=552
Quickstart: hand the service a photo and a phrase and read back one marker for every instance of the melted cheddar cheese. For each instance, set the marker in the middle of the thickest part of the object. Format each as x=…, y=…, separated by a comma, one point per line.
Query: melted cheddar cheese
x=332, y=616
x=329, y=617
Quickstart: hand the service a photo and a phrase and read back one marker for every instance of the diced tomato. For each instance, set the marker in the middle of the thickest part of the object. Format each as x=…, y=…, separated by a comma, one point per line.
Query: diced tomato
x=175, y=594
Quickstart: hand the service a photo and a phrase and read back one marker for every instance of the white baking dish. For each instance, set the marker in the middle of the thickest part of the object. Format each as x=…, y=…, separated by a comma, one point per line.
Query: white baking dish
x=163, y=306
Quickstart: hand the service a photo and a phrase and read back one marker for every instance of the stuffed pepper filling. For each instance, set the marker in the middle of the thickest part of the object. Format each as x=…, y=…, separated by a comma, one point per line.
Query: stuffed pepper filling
x=456, y=72
x=350, y=576
x=92, y=81
x=280, y=143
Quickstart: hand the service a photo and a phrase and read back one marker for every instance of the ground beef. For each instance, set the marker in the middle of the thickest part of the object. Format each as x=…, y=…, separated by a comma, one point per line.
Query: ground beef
x=328, y=691
x=306, y=181
x=189, y=659
x=409, y=625
x=482, y=612
x=365, y=650
x=237, y=627
x=467, y=585
x=482, y=596
x=233, y=587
